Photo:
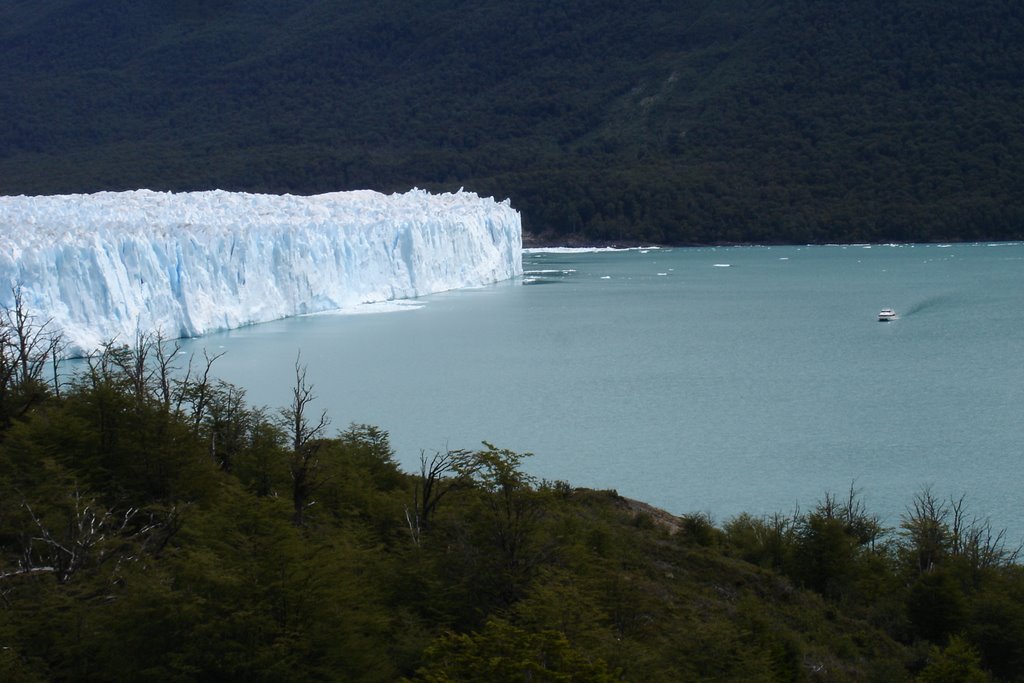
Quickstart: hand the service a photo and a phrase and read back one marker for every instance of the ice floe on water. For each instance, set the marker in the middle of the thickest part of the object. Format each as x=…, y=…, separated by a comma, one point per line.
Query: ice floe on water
x=585, y=250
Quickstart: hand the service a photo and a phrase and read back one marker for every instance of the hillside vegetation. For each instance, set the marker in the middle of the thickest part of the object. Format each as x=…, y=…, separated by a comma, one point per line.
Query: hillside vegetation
x=675, y=121
x=154, y=526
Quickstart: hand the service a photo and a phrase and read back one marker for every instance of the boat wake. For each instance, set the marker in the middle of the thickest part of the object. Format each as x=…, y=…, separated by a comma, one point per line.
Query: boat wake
x=925, y=304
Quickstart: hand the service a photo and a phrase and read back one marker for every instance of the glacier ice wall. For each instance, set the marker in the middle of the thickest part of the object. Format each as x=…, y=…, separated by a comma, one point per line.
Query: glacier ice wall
x=104, y=266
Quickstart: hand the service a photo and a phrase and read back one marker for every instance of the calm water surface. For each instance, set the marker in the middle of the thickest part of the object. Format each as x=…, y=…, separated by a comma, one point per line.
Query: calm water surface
x=699, y=380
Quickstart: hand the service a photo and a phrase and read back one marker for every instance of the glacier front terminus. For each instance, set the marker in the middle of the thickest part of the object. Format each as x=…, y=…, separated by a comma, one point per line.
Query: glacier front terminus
x=105, y=266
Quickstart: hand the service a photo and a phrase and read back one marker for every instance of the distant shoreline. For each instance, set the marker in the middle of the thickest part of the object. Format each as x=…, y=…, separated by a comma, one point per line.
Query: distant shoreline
x=532, y=241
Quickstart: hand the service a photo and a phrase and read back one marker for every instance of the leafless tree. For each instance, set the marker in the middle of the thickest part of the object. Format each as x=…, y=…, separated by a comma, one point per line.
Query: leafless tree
x=197, y=391
x=165, y=353
x=305, y=435
x=228, y=422
x=926, y=529
x=938, y=529
x=58, y=349
x=89, y=536
x=976, y=541
x=444, y=472
x=29, y=340
x=131, y=364
x=26, y=347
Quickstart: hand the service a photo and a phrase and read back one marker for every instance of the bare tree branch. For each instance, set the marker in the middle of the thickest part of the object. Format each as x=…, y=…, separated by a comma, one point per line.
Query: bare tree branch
x=304, y=463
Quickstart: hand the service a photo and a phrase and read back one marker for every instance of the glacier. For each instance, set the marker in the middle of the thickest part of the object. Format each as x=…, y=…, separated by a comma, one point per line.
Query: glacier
x=109, y=265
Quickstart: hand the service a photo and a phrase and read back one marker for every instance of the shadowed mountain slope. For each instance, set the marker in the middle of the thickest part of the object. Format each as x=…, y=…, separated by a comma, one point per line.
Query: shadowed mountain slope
x=678, y=122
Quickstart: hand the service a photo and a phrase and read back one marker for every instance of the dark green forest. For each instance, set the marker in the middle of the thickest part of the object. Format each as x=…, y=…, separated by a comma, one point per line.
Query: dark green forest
x=670, y=121
x=155, y=526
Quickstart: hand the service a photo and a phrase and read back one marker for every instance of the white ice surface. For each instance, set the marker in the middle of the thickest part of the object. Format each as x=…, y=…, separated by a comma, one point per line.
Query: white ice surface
x=103, y=266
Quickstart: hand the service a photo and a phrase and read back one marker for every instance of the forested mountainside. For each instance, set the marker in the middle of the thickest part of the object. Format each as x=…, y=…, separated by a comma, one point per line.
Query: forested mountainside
x=675, y=121
x=155, y=526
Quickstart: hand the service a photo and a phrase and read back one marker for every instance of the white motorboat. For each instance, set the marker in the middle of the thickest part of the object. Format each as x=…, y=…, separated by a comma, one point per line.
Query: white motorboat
x=886, y=314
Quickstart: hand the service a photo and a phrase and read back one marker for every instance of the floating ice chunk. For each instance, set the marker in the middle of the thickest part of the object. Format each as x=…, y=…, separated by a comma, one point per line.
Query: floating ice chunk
x=533, y=251
x=376, y=307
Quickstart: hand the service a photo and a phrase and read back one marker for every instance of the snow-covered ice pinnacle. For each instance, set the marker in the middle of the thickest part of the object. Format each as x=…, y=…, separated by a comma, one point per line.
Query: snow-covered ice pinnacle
x=107, y=265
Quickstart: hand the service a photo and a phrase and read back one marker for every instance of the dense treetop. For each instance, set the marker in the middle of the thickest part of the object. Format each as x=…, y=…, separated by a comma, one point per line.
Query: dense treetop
x=672, y=121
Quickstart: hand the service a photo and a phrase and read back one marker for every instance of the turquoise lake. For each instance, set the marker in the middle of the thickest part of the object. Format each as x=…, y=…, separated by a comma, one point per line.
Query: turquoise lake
x=715, y=380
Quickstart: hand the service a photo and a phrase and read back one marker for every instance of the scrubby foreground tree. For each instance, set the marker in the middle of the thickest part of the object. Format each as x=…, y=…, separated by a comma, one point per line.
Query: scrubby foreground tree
x=149, y=531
